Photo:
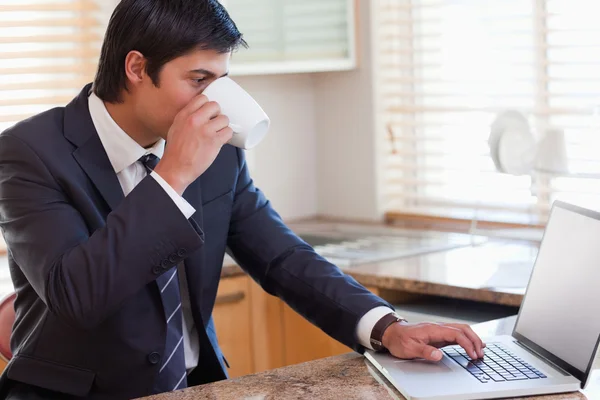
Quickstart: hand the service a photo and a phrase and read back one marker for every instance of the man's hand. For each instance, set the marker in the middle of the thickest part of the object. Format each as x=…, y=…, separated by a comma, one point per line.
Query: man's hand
x=198, y=132
x=409, y=341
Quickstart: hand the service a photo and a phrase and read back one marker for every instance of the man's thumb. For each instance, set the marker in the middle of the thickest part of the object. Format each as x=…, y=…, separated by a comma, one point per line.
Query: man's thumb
x=431, y=353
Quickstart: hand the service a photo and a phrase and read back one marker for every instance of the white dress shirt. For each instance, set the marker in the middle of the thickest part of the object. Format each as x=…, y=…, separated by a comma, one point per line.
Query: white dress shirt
x=124, y=153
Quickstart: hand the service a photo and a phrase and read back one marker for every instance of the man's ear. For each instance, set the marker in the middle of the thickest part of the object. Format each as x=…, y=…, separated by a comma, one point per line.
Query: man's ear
x=135, y=68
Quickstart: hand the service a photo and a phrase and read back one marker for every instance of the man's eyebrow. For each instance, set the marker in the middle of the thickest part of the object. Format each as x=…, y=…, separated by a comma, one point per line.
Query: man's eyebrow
x=208, y=73
x=204, y=72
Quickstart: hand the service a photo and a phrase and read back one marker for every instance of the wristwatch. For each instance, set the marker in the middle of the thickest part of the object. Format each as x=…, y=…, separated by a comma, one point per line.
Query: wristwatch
x=379, y=329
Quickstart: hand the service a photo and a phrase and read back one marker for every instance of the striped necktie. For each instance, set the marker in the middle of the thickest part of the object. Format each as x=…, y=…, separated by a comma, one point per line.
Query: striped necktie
x=172, y=373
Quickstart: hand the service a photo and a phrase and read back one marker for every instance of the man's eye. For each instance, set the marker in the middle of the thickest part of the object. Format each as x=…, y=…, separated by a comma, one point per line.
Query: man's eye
x=199, y=80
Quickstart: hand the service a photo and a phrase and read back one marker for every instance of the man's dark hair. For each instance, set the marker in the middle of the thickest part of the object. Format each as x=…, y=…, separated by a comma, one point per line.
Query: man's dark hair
x=161, y=30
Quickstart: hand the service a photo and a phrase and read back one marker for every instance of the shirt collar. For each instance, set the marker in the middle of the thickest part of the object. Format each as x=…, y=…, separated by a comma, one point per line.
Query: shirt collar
x=121, y=149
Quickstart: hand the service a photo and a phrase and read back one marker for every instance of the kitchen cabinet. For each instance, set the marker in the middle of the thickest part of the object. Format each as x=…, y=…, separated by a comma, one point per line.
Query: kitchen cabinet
x=290, y=36
x=233, y=323
x=258, y=332
x=306, y=342
x=267, y=330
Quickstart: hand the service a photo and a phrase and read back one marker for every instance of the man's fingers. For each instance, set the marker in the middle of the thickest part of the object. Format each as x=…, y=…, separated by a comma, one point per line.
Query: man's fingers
x=208, y=111
x=466, y=344
x=193, y=106
x=445, y=333
x=225, y=134
x=477, y=342
x=429, y=353
x=218, y=123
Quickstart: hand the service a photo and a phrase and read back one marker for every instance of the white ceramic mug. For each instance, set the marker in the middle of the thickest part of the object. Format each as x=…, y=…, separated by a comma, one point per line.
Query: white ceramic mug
x=247, y=119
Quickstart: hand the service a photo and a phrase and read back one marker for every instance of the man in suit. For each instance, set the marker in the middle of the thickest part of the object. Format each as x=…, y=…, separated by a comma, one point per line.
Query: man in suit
x=116, y=242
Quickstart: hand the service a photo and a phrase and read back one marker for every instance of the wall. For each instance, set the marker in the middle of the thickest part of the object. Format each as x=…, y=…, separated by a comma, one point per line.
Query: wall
x=346, y=114
x=320, y=156
x=284, y=165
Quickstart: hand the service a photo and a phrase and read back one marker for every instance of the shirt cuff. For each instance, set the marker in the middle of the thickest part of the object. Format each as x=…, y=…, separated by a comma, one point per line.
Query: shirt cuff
x=179, y=201
x=367, y=323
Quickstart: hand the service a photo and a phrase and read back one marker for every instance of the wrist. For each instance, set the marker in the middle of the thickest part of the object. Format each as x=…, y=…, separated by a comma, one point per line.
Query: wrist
x=381, y=334
x=388, y=334
x=172, y=177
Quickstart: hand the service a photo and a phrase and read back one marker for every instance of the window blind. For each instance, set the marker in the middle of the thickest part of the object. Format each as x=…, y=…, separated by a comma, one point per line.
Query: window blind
x=48, y=51
x=290, y=30
x=449, y=67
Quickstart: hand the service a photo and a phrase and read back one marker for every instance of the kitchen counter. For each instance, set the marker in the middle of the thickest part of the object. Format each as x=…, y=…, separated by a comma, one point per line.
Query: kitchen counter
x=489, y=271
x=492, y=271
x=495, y=273
x=348, y=377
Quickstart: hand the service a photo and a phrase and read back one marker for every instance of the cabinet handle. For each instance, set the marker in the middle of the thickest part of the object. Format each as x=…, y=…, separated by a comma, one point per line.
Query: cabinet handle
x=230, y=298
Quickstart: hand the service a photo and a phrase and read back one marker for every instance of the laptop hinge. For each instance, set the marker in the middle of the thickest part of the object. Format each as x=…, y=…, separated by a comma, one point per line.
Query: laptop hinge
x=538, y=355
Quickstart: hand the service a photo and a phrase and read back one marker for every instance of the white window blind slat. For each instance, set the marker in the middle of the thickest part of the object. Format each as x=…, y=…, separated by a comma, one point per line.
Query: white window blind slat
x=48, y=51
x=47, y=6
x=448, y=67
x=289, y=30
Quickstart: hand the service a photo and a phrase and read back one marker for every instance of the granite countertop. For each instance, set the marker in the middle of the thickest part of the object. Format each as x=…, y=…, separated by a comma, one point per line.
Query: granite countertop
x=348, y=376
x=490, y=271
x=494, y=272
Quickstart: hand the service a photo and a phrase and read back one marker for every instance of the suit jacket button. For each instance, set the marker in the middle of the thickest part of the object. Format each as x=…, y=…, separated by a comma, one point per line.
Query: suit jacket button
x=181, y=252
x=153, y=358
x=173, y=258
x=165, y=264
x=157, y=270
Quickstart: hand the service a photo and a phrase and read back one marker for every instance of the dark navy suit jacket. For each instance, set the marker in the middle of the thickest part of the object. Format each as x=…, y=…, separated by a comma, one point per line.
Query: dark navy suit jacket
x=84, y=259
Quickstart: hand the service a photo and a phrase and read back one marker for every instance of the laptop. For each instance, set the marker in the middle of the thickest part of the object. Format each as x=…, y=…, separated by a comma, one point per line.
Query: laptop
x=555, y=339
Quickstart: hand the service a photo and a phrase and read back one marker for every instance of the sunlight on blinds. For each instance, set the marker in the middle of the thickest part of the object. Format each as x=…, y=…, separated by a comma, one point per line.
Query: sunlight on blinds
x=448, y=67
x=291, y=30
x=574, y=71
x=48, y=51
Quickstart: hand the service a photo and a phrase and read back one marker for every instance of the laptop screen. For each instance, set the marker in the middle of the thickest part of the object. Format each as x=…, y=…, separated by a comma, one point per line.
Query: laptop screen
x=561, y=309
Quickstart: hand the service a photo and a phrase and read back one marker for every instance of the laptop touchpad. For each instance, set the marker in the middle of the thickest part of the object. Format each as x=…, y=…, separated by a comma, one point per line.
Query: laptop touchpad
x=420, y=367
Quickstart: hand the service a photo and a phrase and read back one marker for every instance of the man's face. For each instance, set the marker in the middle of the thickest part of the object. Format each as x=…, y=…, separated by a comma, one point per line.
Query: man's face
x=179, y=82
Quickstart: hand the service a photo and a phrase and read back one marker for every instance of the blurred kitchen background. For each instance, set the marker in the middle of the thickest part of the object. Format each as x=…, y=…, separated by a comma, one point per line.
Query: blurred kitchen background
x=418, y=144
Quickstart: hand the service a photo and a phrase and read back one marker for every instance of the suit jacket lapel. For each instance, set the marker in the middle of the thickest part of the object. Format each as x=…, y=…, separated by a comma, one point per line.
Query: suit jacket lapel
x=90, y=154
x=94, y=161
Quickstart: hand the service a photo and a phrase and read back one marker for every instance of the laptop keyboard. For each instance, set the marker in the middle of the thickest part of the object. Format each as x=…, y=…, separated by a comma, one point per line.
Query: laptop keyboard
x=498, y=365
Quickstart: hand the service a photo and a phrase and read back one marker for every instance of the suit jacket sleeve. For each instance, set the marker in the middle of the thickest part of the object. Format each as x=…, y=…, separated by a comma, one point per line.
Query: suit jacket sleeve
x=84, y=276
x=287, y=267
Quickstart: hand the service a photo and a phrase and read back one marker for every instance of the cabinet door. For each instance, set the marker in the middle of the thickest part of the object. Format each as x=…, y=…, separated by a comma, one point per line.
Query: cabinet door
x=232, y=316
x=305, y=342
x=267, y=329
x=293, y=36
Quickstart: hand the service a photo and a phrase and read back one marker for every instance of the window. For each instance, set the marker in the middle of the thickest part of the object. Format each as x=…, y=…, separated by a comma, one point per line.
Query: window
x=449, y=67
x=293, y=36
x=48, y=52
